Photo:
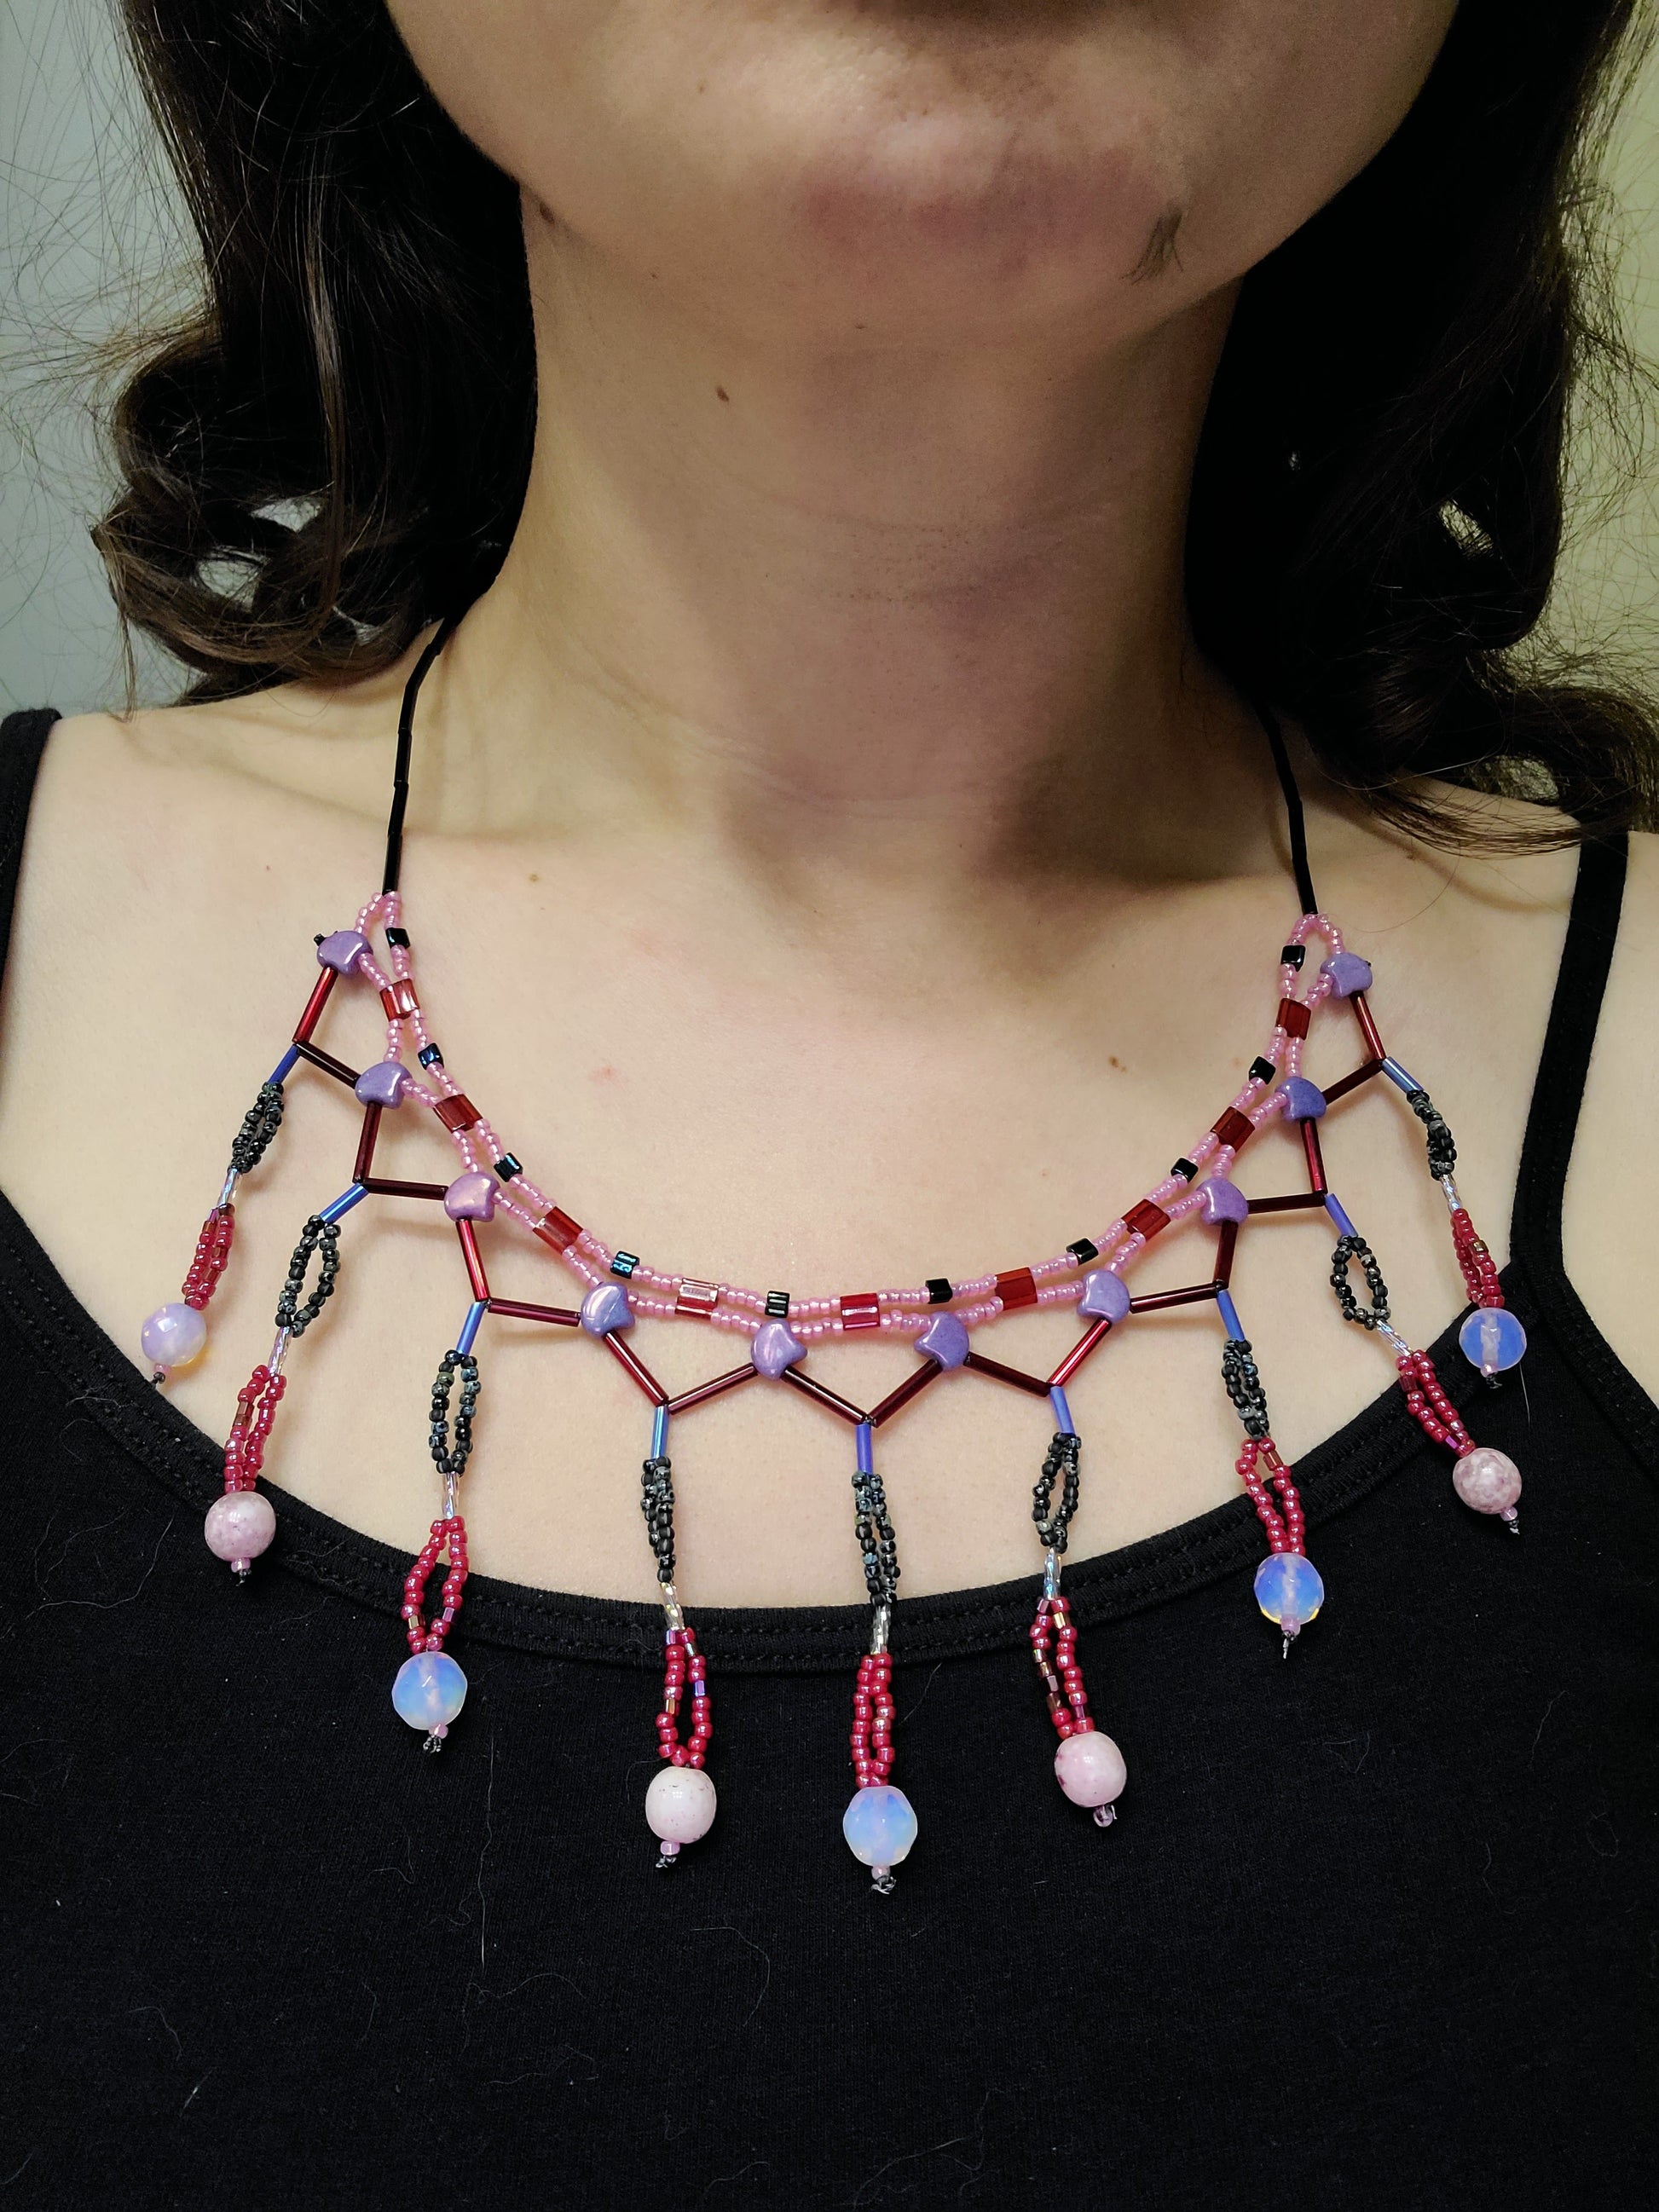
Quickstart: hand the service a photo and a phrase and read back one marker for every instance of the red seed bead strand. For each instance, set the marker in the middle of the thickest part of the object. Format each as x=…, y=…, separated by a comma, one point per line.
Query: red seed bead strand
x=256, y=1409
x=1433, y=1410
x=1283, y=1521
x=1054, y=1647
x=872, y=1719
x=426, y=1635
x=1480, y=1269
x=684, y=1676
x=212, y=1251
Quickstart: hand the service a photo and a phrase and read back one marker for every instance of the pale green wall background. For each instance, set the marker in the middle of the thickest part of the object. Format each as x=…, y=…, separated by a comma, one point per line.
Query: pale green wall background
x=88, y=234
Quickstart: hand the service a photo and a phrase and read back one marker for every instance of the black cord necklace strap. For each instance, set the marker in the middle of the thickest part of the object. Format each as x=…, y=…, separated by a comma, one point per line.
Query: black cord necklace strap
x=1295, y=820
x=394, y=825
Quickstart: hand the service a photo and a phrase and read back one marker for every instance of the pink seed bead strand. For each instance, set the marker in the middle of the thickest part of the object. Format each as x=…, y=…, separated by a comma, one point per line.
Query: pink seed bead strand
x=654, y=1293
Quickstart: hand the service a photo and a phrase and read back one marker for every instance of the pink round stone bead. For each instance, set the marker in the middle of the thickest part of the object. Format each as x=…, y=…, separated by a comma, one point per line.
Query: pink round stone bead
x=1488, y=1481
x=240, y=1525
x=1090, y=1769
x=679, y=1806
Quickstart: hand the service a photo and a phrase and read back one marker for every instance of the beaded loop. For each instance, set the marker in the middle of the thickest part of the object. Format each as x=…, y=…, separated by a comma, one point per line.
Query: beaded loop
x=877, y=1542
x=322, y=1238
x=1349, y=1248
x=451, y=1459
x=1442, y=1152
x=1060, y=1466
x=657, y=1504
x=260, y=1125
x=1243, y=1378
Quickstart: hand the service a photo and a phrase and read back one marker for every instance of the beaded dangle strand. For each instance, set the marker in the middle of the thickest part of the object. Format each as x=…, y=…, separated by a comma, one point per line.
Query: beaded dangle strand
x=1088, y=1766
x=681, y=1802
x=619, y=1288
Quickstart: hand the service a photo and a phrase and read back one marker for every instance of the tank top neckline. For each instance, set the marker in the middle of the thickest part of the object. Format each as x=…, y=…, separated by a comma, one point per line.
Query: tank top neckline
x=1364, y=1453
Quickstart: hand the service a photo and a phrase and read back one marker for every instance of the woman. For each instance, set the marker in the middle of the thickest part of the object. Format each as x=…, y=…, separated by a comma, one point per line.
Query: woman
x=894, y=465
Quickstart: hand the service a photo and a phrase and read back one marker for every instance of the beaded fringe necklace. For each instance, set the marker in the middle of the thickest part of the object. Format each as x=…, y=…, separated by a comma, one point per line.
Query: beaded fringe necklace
x=619, y=1288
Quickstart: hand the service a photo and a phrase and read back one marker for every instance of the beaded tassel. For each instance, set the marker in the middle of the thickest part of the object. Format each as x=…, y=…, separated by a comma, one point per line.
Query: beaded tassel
x=880, y=1823
x=1486, y=1479
x=1491, y=1338
x=1288, y=1587
x=430, y=1688
x=1088, y=1766
x=681, y=1802
x=174, y=1335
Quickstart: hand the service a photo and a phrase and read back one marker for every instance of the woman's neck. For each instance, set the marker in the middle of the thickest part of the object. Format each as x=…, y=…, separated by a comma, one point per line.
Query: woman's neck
x=850, y=617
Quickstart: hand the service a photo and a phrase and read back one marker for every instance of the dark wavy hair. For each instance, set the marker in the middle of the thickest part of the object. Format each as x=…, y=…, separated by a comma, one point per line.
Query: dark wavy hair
x=333, y=447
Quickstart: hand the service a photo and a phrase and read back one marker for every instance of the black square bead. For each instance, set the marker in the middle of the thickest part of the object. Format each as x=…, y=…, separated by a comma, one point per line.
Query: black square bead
x=1185, y=1168
x=507, y=1167
x=624, y=1263
x=398, y=936
x=1294, y=955
x=1262, y=1071
x=430, y=1056
x=1083, y=1251
x=940, y=1293
x=777, y=1304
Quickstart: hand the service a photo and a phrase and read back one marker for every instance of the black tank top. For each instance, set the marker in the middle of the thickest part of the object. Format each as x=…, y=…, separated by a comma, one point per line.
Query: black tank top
x=1379, y=1928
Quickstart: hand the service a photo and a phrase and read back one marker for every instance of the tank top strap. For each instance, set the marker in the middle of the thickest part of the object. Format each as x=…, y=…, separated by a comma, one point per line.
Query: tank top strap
x=22, y=741
x=1558, y=1089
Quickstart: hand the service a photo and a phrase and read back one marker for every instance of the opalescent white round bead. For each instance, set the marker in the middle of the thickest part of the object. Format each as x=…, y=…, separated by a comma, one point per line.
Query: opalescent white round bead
x=240, y=1525
x=1488, y=1481
x=1090, y=1769
x=1491, y=1340
x=880, y=1824
x=173, y=1336
x=1288, y=1588
x=679, y=1806
x=429, y=1690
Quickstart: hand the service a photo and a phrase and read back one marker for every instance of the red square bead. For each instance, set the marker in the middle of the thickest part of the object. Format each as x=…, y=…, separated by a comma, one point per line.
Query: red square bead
x=1292, y=1018
x=860, y=1310
x=1234, y=1128
x=1146, y=1219
x=399, y=1000
x=1016, y=1289
x=458, y=1112
x=694, y=1297
x=559, y=1231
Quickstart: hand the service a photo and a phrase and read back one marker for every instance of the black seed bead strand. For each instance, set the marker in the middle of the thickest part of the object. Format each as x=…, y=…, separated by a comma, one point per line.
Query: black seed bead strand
x=450, y=1458
x=657, y=1504
x=876, y=1543
x=1349, y=1248
x=1243, y=1379
x=322, y=1237
x=1061, y=1466
x=260, y=1125
x=1442, y=1152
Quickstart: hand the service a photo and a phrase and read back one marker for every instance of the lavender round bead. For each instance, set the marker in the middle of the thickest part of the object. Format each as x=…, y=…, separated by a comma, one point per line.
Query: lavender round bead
x=945, y=1339
x=173, y=1336
x=774, y=1346
x=880, y=1824
x=1304, y=1101
x=471, y=1197
x=342, y=951
x=1223, y=1201
x=430, y=1689
x=1348, y=973
x=383, y=1085
x=605, y=1308
x=1105, y=1296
